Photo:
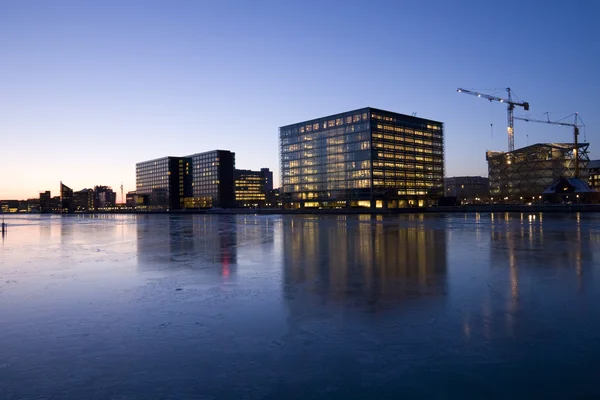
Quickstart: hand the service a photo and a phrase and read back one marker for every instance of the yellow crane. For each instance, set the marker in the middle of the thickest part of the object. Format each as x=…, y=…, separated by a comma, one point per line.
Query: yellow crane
x=511, y=106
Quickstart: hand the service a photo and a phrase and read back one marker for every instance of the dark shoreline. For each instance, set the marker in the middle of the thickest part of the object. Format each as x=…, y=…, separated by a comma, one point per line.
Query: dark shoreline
x=549, y=208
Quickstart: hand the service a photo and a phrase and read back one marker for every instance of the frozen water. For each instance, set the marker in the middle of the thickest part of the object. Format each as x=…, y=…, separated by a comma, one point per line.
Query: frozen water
x=299, y=307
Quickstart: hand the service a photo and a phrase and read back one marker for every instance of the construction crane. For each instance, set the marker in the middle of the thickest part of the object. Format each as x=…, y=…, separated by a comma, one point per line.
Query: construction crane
x=575, y=126
x=511, y=106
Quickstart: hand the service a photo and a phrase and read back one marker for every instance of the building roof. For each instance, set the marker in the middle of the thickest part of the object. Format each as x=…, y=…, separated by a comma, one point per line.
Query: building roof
x=577, y=185
x=538, y=147
x=594, y=164
x=413, y=118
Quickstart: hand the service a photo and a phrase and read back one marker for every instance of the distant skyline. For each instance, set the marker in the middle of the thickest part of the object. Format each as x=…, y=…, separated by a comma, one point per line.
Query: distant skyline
x=88, y=89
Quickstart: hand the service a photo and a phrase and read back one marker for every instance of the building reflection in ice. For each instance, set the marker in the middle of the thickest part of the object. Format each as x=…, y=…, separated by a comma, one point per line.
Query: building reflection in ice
x=187, y=241
x=528, y=250
x=216, y=242
x=363, y=261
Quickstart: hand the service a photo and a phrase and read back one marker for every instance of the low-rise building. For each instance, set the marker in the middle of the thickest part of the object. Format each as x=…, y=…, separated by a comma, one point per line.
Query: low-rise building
x=467, y=189
x=594, y=174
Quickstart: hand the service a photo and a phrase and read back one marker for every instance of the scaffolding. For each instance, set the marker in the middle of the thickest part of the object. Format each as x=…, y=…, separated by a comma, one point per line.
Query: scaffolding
x=526, y=172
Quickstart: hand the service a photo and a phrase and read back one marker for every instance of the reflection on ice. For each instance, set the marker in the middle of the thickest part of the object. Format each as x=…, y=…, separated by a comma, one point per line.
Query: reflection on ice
x=253, y=306
x=362, y=261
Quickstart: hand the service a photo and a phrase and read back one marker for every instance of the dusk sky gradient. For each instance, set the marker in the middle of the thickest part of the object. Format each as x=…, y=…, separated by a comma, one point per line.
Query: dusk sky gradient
x=87, y=89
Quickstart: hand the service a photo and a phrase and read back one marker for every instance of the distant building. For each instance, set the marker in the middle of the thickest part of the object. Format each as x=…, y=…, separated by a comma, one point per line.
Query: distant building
x=166, y=182
x=83, y=200
x=45, y=202
x=362, y=158
x=523, y=174
x=33, y=205
x=56, y=204
x=66, y=199
x=467, y=189
x=268, y=176
x=273, y=200
x=130, y=199
x=23, y=206
x=251, y=187
x=104, y=197
x=213, y=176
x=594, y=174
x=9, y=206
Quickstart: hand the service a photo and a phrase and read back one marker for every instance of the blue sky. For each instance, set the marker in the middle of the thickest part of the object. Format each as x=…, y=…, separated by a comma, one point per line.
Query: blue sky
x=87, y=89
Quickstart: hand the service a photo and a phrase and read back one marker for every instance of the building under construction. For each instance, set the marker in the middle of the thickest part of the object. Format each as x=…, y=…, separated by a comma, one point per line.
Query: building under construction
x=525, y=173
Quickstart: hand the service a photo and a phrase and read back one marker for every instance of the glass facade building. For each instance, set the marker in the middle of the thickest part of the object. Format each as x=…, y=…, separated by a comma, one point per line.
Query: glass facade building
x=165, y=182
x=213, y=175
x=362, y=158
x=66, y=199
x=251, y=187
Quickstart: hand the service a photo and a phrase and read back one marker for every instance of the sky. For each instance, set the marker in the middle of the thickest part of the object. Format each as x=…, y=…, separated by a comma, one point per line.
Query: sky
x=88, y=89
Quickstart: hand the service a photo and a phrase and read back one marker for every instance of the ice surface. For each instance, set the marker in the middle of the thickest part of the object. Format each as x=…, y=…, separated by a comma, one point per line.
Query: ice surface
x=293, y=307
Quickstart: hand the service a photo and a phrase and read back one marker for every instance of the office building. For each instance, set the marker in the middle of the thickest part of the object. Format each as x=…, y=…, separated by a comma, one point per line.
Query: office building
x=251, y=187
x=268, y=176
x=83, y=200
x=45, y=202
x=273, y=200
x=212, y=182
x=594, y=174
x=523, y=174
x=104, y=197
x=9, y=206
x=33, y=205
x=467, y=189
x=362, y=158
x=130, y=199
x=66, y=199
x=165, y=182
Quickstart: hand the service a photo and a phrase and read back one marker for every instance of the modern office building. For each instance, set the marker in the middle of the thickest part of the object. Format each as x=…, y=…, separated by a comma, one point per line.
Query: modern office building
x=273, y=200
x=46, y=202
x=212, y=182
x=66, y=199
x=522, y=174
x=33, y=205
x=362, y=158
x=166, y=182
x=251, y=187
x=83, y=200
x=104, y=197
x=268, y=175
x=130, y=199
x=467, y=189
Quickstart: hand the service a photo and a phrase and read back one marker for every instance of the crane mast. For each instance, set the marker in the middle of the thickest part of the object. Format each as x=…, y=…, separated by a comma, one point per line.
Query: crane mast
x=510, y=109
x=575, y=126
